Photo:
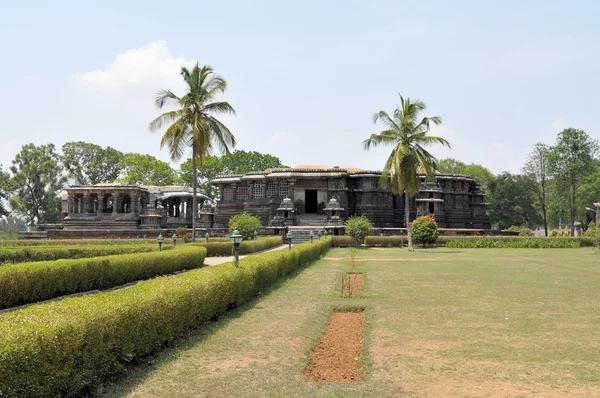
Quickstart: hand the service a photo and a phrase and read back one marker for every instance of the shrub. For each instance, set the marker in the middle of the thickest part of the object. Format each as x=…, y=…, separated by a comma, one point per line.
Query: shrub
x=30, y=282
x=246, y=223
x=342, y=241
x=522, y=231
x=220, y=249
x=64, y=348
x=21, y=254
x=66, y=242
x=424, y=230
x=358, y=228
x=514, y=242
x=591, y=231
x=385, y=241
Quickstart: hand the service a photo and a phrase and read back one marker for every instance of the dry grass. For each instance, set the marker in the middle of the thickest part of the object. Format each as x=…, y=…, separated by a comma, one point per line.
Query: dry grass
x=440, y=322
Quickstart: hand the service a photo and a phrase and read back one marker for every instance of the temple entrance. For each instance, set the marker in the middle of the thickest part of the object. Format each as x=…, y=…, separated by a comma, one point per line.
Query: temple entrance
x=310, y=198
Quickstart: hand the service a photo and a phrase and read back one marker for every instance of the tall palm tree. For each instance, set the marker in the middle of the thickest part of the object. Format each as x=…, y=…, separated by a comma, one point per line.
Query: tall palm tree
x=192, y=123
x=408, y=135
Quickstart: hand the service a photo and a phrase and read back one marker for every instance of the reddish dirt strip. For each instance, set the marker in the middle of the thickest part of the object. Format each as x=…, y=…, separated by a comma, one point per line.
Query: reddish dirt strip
x=337, y=357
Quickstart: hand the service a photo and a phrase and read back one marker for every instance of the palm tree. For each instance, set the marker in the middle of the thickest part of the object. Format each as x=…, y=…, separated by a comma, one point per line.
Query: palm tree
x=408, y=135
x=192, y=123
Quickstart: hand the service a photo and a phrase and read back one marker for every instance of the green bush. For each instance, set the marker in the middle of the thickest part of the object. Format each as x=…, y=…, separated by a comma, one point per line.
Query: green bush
x=385, y=241
x=246, y=223
x=522, y=231
x=21, y=254
x=424, y=230
x=358, y=228
x=65, y=348
x=222, y=249
x=591, y=231
x=65, y=242
x=513, y=242
x=342, y=241
x=30, y=282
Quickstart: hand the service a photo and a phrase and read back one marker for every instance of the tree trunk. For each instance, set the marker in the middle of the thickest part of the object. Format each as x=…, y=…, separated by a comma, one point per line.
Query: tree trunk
x=407, y=216
x=545, y=219
x=194, y=198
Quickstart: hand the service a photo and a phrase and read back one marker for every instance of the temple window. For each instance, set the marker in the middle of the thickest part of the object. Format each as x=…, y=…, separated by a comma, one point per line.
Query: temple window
x=272, y=190
x=284, y=189
x=258, y=190
x=243, y=192
x=227, y=193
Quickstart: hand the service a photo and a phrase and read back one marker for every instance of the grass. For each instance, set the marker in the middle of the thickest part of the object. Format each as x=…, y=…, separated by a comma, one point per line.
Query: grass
x=440, y=322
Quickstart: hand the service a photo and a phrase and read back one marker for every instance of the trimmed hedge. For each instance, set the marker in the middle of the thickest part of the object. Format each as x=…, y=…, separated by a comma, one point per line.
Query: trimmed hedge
x=221, y=249
x=30, y=282
x=342, y=241
x=66, y=242
x=386, y=241
x=49, y=253
x=513, y=242
x=65, y=348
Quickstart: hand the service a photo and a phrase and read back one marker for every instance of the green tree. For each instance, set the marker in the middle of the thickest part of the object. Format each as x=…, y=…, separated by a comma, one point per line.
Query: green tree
x=37, y=177
x=570, y=161
x=11, y=225
x=89, y=164
x=536, y=167
x=453, y=166
x=425, y=230
x=408, y=135
x=138, y=169
x=4, y=189
x=246, y=223
x=512, y=199
x=358, y=228
x=192, y=123
x=238, y=162
x=589, y=193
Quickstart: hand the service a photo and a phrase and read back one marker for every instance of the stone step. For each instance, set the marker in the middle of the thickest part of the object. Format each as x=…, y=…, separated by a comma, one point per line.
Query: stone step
x=301, y=235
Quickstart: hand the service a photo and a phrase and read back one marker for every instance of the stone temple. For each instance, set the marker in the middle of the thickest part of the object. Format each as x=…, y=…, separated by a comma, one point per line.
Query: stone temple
x=315, y=195
x=305, y=196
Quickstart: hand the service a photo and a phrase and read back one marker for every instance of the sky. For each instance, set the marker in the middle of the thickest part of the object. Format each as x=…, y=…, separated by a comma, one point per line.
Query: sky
x=304, y=77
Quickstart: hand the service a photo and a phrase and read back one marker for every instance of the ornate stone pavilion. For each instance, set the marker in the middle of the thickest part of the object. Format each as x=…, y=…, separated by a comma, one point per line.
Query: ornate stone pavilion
x=113, y=206
x=324, y=196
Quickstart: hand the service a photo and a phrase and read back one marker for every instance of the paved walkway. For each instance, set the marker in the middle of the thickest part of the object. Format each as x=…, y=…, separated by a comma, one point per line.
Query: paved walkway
x=209, y=261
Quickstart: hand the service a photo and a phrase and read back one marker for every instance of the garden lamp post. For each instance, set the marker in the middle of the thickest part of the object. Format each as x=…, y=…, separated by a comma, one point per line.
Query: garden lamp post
x=255, y=235
x=236, y=239
x=174, y=239
x=160, y=240
x=206, y=236
x=311, y=236
x=290, y=235
x=319, y=232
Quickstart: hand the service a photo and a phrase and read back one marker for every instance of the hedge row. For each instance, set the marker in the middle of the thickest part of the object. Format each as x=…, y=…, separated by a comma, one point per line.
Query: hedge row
x=513, y=242
x=30, y=282
x=66, y=242
x=49, y=253
x=220, y=249
x=64, y=348
x=386, y=241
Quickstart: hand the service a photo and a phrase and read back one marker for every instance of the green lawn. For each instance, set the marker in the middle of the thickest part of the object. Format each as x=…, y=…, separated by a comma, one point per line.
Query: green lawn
x=441, y=322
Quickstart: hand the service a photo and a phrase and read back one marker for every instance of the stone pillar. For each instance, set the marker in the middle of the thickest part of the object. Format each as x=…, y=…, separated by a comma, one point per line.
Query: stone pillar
x=138, y=205
x=251, y=190
x=69, y=203
x=100, y=203
x=86, y=203
x=291, y=185
x=115, y=198
x=221, y=188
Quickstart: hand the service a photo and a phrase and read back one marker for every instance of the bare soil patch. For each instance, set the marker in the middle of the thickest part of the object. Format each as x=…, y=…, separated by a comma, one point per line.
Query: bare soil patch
x=337, y=357
x=355, y=281
x=354, y=263
x=333, y=258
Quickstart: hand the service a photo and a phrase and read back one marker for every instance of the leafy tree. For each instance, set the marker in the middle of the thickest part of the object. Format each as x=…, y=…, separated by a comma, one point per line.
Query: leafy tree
x=512, y=199
x=192, y=123
x=89, y=164
x=238, y=162
x=358, y=228
x=4, y=189
x=453, y=166
x=11, y=225
x=589, y=192
x=246, y=223
x=425, y=230
x=138, y=169
x=408, y=135
x=536, y=167
x=570, y=161
x=36, y=180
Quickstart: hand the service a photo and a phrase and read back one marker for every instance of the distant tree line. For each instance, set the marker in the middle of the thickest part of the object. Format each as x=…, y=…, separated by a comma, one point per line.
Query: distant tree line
x=29, y=188
x=556, y=184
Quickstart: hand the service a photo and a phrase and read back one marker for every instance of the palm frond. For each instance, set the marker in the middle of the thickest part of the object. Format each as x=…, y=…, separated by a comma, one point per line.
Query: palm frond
x=219, y=107
x=164, y=97
x=166, y=118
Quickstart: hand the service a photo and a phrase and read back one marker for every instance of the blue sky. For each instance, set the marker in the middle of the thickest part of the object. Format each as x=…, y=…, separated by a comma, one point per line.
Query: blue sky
x=304, y=77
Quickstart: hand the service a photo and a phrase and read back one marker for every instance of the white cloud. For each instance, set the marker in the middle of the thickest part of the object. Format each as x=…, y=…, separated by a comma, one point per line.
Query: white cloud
x=559, y=125
x=150, y=64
